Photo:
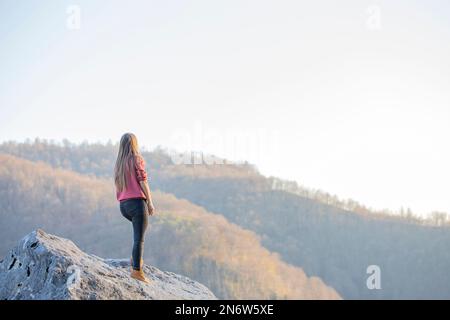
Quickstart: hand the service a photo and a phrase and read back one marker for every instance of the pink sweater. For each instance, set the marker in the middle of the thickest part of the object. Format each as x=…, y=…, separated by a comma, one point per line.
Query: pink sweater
x=133, y=189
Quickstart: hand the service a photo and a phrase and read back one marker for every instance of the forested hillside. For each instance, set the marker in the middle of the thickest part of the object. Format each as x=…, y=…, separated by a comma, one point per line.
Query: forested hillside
x=183, y=238
x=321, y=237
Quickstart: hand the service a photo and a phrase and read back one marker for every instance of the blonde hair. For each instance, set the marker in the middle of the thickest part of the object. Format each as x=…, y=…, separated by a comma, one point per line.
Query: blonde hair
x=128, y=150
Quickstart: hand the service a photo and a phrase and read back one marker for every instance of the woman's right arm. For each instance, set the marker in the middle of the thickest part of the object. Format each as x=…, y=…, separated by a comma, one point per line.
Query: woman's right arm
x=141, y=175
x=146, y=189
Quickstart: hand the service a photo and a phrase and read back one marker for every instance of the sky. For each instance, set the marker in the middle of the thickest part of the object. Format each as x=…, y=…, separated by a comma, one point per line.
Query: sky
x=351, y=97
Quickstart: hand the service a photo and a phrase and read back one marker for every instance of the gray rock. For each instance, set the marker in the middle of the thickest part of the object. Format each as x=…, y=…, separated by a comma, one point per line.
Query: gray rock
x=44, y=266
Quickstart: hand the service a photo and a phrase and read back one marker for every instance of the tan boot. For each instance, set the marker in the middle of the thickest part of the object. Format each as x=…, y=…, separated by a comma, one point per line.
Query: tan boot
x=139, y=275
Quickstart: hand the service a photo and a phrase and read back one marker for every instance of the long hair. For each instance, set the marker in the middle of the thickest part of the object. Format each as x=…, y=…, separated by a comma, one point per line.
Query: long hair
x=128, y=150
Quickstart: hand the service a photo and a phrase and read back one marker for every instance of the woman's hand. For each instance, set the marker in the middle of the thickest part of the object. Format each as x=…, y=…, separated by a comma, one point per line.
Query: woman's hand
x=151, y=208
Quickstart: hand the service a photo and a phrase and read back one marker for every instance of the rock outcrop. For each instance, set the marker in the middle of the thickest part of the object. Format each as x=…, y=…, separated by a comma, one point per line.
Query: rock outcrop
x=44, y=266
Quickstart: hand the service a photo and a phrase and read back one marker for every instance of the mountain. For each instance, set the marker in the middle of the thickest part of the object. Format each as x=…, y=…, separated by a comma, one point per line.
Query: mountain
x=45, y=267
x=182, y=238
x=317, y=235
x=325, y=241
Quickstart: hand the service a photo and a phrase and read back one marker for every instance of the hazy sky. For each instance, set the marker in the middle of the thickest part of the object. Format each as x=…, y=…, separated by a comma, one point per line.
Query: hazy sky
x=352, y=97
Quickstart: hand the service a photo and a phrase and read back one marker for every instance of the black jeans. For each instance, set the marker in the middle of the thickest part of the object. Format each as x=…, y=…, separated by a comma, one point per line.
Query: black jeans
x=135, y=210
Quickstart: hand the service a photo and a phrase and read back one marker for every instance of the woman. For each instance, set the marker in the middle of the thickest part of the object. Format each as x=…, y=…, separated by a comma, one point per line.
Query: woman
x=134, y=195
